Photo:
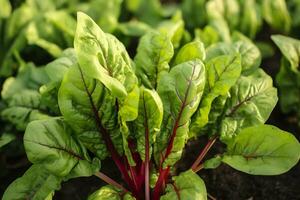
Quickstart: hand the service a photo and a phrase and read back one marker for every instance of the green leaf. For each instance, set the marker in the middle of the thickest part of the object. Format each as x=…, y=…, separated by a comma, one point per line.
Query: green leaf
x=252, y=101
x=187, y=185
x=190, y=51
x=103, y=57
x=35, y=184
x=250, y=54
x=154, y=52
x=149, y=119
x=212, y=163
x=57, y=150
x=194, y=13
x=110, y=193
x=263, y=150
x=208, y=35
x=6, y=138
x=23, y=108
x=180, y=90
x=288, y=82
x=290, y=48
x=134, y=28
x=276, y=14
x=82, y=100
x=222, y=73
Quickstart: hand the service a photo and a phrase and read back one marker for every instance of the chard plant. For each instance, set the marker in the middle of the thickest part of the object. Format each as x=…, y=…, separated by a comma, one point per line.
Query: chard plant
x=142, y=112
x=288, y=78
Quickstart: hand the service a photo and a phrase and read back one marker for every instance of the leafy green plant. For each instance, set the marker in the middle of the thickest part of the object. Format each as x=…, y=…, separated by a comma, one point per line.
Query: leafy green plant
x=288, y=78
x=142, y=112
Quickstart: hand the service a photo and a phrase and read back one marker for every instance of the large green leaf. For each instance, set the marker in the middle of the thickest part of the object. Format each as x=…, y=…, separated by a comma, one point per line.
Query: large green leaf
x=110, y=193
x=149, y=119
x=103, y=57
x=35, y=184
x=221, y=74
x=263, y=150
x=85, y=102
x=187, y=185
x=50, y=143
x=180, y=90
x=154, y=52
x=252, y=101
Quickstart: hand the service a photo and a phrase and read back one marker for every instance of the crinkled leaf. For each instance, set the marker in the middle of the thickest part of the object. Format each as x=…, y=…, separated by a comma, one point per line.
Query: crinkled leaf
x=187, y=185
x=263, y=150
x=85, y=102
x=23, y=108
x=36, y=184
x=180, y=90
x=154, y=52
x=103, y=57
x=110, y=193
x=222, y=73
x=149, y=119
x=252, y=101
x=58, y=151
x=250, y=55
x=190, y=51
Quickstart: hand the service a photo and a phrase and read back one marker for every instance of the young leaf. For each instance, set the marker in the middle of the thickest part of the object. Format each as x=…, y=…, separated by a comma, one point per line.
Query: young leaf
x=110, y=193
x=187, y=185
x=154, y=52
x=180, y=90
x=252, y=101
x=35, y=184
x=190, y=51
x=103, y=57
x=221, y=73
x=6, y=138
x=149, y=119
x=263, y=150
x=58, y=151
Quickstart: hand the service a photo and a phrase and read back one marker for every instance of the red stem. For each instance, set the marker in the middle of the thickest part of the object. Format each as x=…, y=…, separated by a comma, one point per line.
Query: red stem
x=207, y=147
x=159, y=186
x=110, y=181
x=147, y=156
x=108, y=142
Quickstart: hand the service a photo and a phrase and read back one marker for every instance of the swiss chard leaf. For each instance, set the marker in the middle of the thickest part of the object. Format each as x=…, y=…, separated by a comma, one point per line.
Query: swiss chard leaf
x=252, y=100
x=103, y=57
x=263, y=150
x=180, y=90
x=187, y=185
x=221, y=73
x=59, y=152
x=36, y=184
x=154, y=52
x=110, y=193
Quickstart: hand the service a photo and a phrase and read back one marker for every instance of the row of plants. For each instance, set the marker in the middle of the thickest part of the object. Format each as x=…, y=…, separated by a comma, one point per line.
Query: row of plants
x=136, y=81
